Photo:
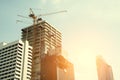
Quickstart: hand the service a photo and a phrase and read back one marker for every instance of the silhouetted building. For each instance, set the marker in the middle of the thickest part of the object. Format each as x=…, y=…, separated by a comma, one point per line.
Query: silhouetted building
x=104, y=70
x=56, y=68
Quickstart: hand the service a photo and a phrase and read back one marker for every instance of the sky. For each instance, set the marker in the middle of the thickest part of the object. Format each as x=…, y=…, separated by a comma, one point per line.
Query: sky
x=89, y=28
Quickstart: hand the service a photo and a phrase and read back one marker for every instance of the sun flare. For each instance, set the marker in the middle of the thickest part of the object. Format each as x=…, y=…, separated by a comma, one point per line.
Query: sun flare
x=84, y=63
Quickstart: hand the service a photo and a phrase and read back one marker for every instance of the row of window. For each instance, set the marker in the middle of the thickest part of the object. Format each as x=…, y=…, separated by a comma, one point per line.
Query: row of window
x=10, y=76
x=5, y=57
x=7, y=52
x=2, y=78
x=8, y=47
x=7, y=63
x=10, y=58
x=6, y=73
x=7, y=68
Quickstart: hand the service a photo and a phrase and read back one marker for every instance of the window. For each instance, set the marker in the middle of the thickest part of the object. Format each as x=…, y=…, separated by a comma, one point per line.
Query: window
x=18, y=64
x=30, y=49
x=20, y=44
x=17, y=75
x=17, y=71
x=19, y=54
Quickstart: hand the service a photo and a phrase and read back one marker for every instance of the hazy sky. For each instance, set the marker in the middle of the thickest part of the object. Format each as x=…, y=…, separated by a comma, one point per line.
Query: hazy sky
x=90, y=27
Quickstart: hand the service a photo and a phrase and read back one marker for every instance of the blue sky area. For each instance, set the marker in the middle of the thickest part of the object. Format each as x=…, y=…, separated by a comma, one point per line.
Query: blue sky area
x=89, y=28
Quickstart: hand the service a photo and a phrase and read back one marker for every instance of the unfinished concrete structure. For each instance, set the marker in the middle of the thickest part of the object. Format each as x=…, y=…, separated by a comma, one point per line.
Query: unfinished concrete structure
x=45, y=40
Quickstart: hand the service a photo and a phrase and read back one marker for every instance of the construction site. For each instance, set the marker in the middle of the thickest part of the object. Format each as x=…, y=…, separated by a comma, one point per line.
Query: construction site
x=47, y=60
x=38, y=54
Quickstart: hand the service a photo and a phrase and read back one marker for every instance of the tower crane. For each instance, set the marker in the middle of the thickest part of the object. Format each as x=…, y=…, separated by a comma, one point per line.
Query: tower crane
x=33, y=16
x=37, y=18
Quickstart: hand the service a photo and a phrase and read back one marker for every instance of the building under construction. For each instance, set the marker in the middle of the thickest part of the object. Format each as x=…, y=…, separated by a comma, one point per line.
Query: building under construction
x=44, y=39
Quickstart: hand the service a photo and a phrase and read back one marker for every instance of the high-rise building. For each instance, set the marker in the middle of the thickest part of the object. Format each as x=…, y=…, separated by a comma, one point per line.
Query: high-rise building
x=15, y=60
x=104, y=70
x=44, y=39
x=56, y=68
